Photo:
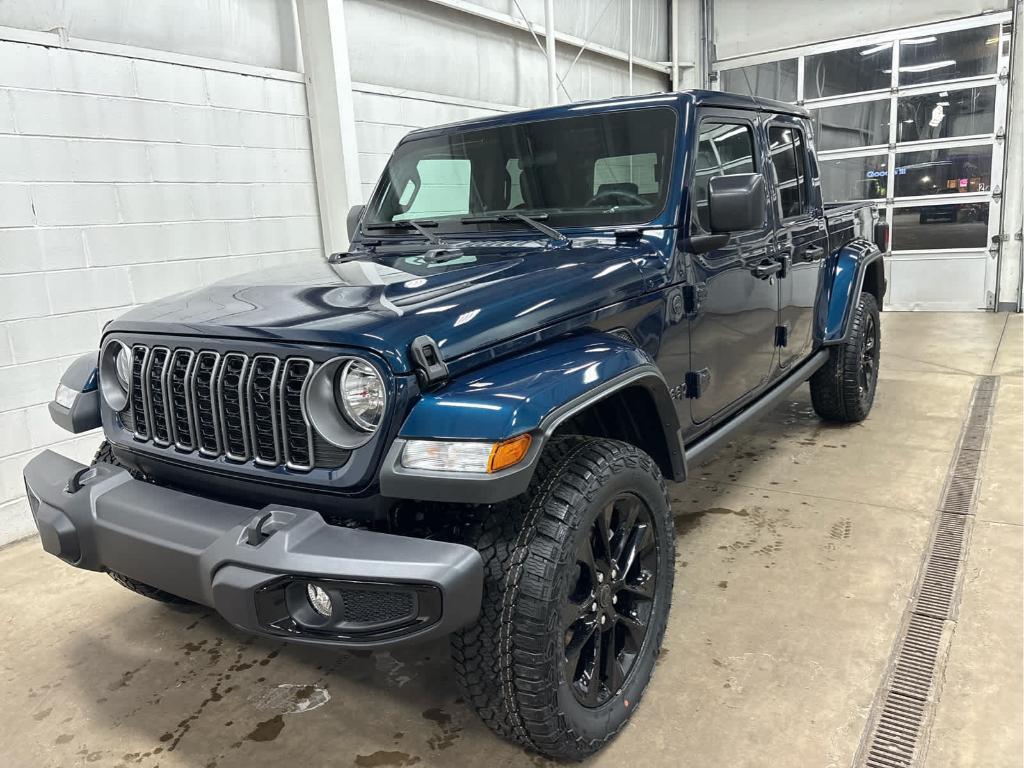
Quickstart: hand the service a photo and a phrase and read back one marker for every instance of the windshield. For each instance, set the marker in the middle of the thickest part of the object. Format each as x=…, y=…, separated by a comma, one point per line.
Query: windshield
x=594, y=170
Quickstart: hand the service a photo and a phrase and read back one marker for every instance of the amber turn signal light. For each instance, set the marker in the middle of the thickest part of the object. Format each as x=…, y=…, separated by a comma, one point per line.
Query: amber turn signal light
x=508, y=452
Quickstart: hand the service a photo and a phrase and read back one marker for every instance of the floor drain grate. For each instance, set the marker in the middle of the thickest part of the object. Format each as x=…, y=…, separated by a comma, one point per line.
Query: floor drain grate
x=949, y=536
x=903, y=706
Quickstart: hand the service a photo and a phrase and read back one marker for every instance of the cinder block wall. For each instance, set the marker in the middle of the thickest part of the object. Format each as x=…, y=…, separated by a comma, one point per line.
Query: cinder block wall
x=123, y=179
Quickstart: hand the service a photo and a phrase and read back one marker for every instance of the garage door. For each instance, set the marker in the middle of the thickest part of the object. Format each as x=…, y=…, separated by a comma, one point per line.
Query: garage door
x=914, y=121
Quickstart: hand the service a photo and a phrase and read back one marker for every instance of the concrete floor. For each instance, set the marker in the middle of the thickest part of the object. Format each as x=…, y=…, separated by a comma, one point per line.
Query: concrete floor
x=799, y=545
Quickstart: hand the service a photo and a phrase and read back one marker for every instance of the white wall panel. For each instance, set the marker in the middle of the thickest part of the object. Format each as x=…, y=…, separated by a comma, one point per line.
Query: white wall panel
x=123, y=180
x=256, y=32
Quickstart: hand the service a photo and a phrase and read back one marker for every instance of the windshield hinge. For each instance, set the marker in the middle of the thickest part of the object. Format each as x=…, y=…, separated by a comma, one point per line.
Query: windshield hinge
x=430, y=366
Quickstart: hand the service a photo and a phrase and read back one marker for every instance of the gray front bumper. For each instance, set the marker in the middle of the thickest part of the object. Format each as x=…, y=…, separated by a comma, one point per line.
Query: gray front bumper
x=205, y=550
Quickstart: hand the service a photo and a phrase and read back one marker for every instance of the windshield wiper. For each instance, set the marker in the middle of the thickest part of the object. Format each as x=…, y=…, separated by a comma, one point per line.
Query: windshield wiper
x=544, y=229
x=418, y=224
x=441, y=252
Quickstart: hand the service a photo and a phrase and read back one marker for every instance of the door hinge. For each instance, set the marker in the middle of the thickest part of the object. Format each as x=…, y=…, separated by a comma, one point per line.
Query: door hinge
x=781, y=335
x=693, y=296
x=697, y=382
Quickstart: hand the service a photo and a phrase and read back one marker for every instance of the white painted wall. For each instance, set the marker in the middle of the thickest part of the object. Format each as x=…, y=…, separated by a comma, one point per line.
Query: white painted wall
x=444, y=65
x=257, y=32
x=123, y=180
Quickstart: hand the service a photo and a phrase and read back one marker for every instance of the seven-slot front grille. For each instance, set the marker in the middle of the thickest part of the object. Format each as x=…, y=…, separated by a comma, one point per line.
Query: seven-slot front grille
x=242, y=407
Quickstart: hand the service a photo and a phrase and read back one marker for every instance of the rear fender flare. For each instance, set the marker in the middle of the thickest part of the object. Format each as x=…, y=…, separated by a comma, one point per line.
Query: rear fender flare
x=850, y=266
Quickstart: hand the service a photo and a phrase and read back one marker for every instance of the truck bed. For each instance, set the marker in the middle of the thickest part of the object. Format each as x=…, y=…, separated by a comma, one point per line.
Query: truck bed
x=849, y=221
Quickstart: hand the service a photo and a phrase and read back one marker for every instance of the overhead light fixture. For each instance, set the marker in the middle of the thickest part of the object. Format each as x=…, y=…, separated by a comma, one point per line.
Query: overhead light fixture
x=918, y=40
x=929, y=67
x=876, y=49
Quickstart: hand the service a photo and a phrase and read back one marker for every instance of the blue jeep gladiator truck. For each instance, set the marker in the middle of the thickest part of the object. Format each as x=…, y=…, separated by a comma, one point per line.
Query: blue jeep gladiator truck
x=464, y=425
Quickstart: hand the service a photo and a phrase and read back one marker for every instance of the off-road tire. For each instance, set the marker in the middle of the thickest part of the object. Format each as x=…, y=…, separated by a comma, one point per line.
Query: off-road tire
x=838, y=391
x=105, y=455
x=509, y=664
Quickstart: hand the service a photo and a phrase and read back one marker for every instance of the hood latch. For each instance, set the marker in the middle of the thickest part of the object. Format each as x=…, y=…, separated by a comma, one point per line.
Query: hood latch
x=430, y=366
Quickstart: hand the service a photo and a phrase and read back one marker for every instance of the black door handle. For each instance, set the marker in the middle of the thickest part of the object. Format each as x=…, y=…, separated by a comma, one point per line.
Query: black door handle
x=766, y=269
x=814, y=252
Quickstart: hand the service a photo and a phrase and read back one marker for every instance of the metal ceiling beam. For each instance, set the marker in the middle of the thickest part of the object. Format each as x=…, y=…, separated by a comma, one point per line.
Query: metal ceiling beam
x=571, y=40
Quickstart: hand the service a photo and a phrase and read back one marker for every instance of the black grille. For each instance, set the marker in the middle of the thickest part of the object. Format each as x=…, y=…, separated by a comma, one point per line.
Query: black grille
x=181, y=409
x=298, y=438
x=157, y=395
x=233, y=405
x=263, y=397
x=232, y=393
x=203, y=399
x=137, y=395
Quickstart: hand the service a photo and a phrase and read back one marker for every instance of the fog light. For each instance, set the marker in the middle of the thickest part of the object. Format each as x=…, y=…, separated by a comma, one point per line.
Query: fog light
x=319, y=599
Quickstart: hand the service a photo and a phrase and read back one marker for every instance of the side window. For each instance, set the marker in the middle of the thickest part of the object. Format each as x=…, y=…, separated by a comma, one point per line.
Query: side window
x=786, y=145
x=441, y=188
x=722, y=148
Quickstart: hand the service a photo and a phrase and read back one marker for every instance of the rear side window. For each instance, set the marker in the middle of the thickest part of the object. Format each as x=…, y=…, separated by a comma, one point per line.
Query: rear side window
x=722, y=148
x=786, y=145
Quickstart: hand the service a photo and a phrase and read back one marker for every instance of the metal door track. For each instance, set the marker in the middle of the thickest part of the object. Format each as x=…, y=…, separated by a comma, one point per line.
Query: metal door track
x=903, y=707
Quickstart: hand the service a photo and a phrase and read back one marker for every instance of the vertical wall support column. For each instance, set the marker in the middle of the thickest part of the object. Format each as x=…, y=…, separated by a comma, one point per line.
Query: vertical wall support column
x=630, y=47
x=549, y=50
x=1011, y=261
x=674, y=23
x=332, y=122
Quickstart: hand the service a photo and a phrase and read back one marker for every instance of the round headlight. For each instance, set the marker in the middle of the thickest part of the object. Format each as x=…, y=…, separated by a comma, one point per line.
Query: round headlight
x=123, y=366
x=361, y=392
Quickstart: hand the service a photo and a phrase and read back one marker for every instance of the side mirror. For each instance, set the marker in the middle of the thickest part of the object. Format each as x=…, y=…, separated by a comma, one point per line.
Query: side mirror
x=352, y=221
x=736, y=202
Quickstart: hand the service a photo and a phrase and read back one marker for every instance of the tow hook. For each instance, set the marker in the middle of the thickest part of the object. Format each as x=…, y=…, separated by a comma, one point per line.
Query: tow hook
x=80, y=478
x=263, y=526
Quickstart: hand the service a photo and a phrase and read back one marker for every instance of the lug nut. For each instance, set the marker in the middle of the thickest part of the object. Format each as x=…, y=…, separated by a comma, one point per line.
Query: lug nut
x=600, y=578
x=615, y=599
x=615, y=573
x=593, y=606
x=602, y=619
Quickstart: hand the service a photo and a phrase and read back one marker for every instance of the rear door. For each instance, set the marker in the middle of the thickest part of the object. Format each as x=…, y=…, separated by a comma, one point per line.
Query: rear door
x=801, y=234
x=732, y=331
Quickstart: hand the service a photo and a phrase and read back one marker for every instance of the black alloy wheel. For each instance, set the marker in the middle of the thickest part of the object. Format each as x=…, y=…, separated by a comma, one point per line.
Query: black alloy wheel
x=869, y=356
x=607, y=612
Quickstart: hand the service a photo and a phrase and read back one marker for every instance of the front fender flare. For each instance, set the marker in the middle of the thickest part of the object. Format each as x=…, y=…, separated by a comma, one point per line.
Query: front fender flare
x=534, y=392
x=850, y=267
x=80, y=382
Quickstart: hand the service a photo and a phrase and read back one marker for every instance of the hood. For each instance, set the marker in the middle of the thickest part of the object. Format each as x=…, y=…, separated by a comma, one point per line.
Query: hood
x=494, y=291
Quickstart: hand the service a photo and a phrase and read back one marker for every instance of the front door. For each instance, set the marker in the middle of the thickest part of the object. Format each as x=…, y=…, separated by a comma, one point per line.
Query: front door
x=801, y=235
x=733, y=327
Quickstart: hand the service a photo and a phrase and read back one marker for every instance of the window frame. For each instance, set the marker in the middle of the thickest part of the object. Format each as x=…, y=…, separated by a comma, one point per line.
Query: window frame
x=806, y=209
x=751, y=123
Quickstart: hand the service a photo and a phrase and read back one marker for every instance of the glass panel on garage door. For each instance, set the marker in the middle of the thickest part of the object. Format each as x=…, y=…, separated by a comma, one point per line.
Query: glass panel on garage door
x=776, y=80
